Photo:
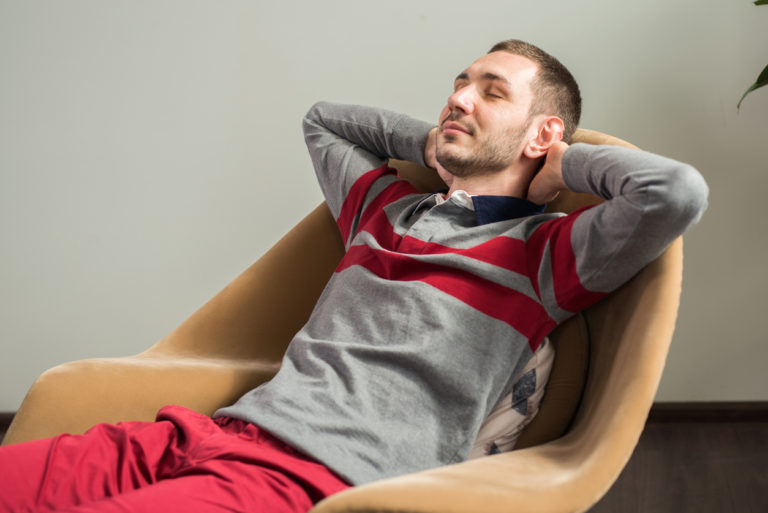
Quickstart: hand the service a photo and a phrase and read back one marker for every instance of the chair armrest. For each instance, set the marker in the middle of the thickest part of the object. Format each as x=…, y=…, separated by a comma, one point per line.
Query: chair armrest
x=72, y=397
x=548, y=478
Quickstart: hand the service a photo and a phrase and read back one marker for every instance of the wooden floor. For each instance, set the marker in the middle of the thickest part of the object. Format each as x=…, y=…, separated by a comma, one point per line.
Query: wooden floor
x=695, y=465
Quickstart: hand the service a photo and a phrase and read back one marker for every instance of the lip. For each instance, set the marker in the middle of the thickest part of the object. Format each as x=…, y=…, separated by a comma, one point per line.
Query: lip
x=452, y=127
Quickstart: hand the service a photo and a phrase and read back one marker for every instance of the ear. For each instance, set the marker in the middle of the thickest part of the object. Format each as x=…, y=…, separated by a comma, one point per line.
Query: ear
x=550, y=131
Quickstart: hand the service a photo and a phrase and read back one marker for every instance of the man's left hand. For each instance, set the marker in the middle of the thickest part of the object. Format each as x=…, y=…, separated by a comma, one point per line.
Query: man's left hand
x=548, y=182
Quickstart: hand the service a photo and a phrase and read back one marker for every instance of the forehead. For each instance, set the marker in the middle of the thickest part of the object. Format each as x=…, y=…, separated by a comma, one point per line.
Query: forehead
x=513, y=68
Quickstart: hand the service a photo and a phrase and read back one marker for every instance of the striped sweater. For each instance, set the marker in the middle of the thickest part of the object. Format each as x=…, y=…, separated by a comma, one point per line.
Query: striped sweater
x=436, y=307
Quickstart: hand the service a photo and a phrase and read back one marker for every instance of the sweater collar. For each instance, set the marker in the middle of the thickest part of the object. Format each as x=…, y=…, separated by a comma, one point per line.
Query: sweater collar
x=492, y=209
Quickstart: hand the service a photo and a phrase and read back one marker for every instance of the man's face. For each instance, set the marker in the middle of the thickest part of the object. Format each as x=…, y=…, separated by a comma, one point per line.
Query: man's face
x=484, y=124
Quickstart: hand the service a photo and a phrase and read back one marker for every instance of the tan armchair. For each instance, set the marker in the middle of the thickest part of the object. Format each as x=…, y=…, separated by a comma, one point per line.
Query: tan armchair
x=608, y=365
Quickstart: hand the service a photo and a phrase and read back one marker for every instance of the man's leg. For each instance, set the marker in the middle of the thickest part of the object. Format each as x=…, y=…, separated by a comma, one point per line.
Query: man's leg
x=71, y=469
x=215, y=487
x=185, y=461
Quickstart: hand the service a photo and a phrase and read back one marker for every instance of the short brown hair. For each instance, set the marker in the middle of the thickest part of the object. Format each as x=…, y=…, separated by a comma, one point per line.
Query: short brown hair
x=555, y=89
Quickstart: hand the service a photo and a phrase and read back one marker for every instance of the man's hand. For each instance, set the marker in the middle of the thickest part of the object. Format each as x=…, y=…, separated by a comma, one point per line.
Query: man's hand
x=548, y=182
x=430, y=158
x=430, y=150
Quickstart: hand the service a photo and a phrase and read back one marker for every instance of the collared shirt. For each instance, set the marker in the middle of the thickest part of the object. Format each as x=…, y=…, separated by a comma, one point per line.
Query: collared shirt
x=491, y=209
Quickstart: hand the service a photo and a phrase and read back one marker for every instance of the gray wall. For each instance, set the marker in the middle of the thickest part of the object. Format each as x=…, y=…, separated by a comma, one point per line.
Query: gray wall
x=151, y=150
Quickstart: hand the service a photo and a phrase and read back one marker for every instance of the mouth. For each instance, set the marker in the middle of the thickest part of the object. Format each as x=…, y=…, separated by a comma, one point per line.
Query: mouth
x=454, y=128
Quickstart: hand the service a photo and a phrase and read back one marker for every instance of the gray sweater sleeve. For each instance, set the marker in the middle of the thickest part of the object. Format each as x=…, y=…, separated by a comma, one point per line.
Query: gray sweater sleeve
x=346, y=141
x=650, y=201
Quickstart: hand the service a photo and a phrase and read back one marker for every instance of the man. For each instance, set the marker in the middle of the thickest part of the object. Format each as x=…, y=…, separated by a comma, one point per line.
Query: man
x=438, y=296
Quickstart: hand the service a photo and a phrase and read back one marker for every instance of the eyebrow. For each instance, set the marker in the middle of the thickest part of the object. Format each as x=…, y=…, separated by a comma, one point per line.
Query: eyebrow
x=485, y=76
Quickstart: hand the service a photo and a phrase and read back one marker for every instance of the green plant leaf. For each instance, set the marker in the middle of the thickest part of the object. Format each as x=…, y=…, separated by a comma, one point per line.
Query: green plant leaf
x=761, y=81
x=761, y=2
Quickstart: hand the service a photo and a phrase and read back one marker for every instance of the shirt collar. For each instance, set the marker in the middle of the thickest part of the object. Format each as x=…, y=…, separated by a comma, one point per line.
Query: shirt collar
x=492, y=209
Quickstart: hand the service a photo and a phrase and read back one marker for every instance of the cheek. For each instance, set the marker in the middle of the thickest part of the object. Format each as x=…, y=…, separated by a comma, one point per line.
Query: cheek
x=506, y=125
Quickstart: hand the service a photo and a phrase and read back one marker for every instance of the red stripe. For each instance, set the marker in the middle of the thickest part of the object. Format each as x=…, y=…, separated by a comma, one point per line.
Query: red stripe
x=375, y=210
x=504, y=252
x=353, y=203
x=505, y=304
x=570, y=294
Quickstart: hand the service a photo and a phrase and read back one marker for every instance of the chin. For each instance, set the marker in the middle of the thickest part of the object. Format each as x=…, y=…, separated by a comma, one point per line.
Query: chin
x=454, y=165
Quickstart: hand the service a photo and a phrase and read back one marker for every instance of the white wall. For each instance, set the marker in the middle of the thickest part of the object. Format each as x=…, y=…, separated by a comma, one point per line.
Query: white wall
x=151, y=150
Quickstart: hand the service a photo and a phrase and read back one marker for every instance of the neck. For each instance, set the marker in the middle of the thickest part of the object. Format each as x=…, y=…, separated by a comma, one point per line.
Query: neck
x=508, y=182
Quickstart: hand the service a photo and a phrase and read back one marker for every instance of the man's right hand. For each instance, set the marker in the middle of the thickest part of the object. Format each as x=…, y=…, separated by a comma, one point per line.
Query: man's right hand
x=430, y=149
x=430, y=158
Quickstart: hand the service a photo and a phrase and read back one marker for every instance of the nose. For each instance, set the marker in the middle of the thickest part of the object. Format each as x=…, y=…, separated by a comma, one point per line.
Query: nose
x=463, y=99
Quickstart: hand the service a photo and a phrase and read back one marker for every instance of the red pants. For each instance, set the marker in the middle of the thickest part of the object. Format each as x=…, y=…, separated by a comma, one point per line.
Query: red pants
x=184, y=462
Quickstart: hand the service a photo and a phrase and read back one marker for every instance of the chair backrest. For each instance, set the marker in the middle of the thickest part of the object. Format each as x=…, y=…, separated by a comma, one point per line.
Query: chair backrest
x=258, y=313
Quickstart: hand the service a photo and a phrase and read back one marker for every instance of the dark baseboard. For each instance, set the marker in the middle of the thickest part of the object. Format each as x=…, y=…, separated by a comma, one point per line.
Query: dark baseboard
x=717, y=411
x=5, y=420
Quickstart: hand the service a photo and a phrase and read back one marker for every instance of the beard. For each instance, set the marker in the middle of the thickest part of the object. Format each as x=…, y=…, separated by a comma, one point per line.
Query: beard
x=490, y=154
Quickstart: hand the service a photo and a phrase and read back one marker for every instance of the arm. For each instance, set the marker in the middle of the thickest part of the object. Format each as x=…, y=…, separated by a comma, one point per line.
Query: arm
x=650, y=201
x=347, y=141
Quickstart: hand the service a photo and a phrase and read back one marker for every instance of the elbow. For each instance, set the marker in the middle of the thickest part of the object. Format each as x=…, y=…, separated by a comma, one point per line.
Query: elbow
x=689, y=195
x=315, y=110
x=320, y=110
x=313, y=118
